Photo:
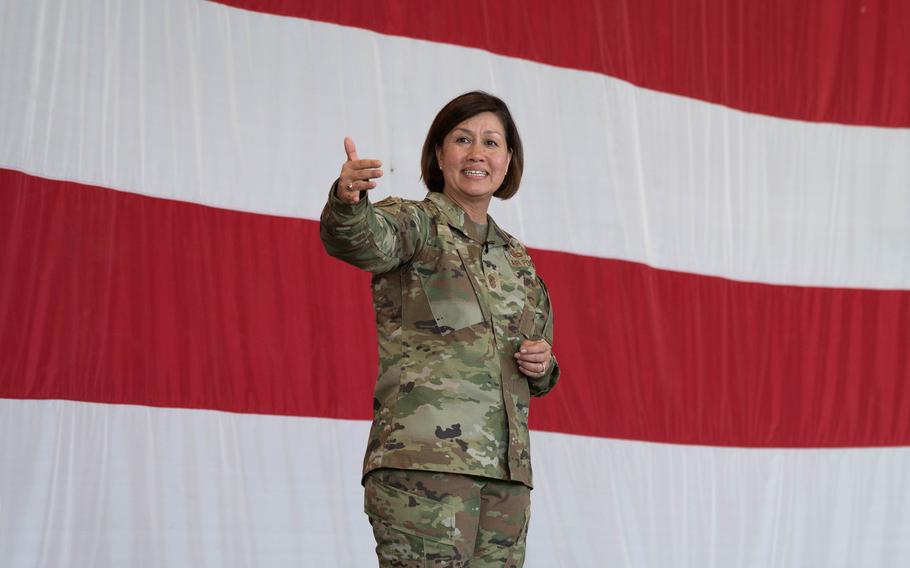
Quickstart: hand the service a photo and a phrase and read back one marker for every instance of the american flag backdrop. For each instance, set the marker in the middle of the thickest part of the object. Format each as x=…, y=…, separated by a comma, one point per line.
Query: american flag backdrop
x=717, y=193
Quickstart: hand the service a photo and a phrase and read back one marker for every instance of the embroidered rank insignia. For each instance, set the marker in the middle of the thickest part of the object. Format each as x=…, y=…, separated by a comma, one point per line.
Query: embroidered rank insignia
x=518, y=257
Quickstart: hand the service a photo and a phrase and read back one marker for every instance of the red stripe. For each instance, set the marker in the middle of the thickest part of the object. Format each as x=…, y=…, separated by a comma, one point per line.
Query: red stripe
x=113, y=297
x=846, y=62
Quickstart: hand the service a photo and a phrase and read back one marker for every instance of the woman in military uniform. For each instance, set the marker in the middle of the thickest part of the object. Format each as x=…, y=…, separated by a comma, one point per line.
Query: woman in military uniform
x=465, y=328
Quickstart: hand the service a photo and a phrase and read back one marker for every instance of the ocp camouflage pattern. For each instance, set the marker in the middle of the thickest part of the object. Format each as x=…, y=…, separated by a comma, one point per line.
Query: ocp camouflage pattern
x=427, y=518
x=452, y=304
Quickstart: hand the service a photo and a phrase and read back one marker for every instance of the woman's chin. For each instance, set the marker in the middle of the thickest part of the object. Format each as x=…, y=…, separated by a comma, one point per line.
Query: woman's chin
x=474, y=191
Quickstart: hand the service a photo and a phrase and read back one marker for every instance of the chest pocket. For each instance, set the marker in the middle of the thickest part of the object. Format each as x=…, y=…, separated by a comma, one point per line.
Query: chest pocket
x=448, y=285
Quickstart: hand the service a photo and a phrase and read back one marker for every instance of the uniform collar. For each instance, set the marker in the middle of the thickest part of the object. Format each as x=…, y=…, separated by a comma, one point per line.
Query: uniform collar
x=455, y=217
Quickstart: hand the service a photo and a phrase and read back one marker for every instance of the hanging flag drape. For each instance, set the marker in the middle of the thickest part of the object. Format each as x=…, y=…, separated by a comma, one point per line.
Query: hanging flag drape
x=717, y=194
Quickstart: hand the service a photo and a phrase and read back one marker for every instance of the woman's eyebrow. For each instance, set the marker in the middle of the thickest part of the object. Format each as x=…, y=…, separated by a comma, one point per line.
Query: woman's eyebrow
x=465, y=130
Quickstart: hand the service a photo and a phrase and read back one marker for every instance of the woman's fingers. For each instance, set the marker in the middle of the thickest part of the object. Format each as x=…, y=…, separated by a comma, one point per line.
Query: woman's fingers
x=355, y=181
x=533, y=357
x=358, y=165
x=356, y=174
x=532, y=346
x=371, y=172
x=536, y=351
x=354, y=163
x=533, y=369
x=355, y=169
x=358, y=186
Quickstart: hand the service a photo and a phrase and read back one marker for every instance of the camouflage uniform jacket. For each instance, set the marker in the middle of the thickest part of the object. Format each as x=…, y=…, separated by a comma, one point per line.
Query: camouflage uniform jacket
x=452, y=306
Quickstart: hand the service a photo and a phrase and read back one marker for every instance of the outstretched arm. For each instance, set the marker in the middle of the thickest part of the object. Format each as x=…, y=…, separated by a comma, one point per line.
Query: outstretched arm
x=375, y=238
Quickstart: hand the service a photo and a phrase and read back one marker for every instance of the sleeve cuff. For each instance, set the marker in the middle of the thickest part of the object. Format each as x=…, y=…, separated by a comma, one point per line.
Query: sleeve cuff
x=544, y=384
x=343, y=210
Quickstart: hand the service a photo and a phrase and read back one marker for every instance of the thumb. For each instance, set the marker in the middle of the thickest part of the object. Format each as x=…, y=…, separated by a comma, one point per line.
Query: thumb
x=350, y=149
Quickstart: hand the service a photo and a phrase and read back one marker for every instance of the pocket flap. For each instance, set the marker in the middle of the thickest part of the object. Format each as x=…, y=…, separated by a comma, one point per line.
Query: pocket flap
x=409, y=513
x=450, y=293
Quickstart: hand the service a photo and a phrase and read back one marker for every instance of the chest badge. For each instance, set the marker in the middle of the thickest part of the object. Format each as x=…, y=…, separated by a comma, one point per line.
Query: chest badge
x=518, y=257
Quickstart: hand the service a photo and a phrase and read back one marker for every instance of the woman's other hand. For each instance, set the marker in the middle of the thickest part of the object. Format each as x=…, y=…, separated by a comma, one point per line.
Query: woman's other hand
x=534, y=357
x=356, y=175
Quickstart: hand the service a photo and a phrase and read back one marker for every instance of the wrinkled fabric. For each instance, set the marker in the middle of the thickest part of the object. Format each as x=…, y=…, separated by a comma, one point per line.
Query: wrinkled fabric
x=453, y=302
x=422, y=518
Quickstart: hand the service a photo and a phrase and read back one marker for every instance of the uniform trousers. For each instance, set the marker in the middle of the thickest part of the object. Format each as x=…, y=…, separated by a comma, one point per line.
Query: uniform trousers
x=425, y=518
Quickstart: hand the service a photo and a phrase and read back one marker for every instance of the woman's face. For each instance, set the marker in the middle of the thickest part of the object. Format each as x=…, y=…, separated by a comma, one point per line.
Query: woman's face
x=474, y=158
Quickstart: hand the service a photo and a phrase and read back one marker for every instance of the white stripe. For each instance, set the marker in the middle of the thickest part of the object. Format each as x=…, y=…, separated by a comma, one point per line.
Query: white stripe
x=106, y=485
x=209, y=104
x=601, y=502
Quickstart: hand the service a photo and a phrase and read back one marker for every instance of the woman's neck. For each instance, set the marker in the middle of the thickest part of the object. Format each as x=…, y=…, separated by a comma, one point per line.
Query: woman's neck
x=476, y=209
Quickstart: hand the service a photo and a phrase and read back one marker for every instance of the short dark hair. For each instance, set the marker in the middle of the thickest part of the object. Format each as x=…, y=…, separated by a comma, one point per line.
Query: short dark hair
x=454, y=113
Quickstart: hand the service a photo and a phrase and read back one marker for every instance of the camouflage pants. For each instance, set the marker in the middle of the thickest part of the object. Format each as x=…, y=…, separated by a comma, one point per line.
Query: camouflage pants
x=425, y=518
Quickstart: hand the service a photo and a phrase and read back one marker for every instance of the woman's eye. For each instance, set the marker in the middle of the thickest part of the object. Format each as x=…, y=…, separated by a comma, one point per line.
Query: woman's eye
x=492, y=143
x=461, y=139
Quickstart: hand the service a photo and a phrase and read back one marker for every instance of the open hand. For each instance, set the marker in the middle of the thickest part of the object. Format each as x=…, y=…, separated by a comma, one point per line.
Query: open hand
x=356, y=175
